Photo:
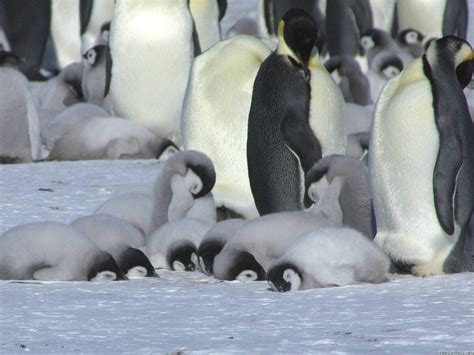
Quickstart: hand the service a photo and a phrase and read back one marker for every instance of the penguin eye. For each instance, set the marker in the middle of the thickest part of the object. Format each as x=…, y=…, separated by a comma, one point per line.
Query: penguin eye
x=391, y=72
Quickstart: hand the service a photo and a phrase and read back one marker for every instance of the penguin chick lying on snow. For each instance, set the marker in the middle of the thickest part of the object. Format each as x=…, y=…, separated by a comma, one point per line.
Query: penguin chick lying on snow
x=108, y=138
x=329, y=257
x=120, y=239
x=174, y=245
x=214, y=241
x=52, y=251
x=346, y=201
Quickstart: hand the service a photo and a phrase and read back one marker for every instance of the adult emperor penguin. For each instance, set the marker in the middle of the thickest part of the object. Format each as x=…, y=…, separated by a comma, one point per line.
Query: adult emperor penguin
x=434, y=18
x=20, y=140
x=207, y=15
x=422, y=183
x=296, y=117
x=51, y=251
x=329, y=257
x=158, y=36
x=215, y=116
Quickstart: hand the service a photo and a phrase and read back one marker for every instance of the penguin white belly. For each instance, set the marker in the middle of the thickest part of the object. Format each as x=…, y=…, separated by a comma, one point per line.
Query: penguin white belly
x=152, y=51
x=425, y=16
x=206, y=17
x=405, y=147
x=383, y=11
x=66, y=30
x=215, y=116
x=327, y=112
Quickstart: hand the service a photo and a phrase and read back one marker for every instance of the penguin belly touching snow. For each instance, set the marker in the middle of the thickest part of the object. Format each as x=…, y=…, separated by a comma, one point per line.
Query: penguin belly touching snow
x=329, y=257
x=207, y=15
x=174, y=245
x=422, y=161
x=20, y=140
x=215, y=116
x=50, y=251
x=296, y=117
x=120, y=239
x=434, y=18
x=108, y=138
x=151, y=44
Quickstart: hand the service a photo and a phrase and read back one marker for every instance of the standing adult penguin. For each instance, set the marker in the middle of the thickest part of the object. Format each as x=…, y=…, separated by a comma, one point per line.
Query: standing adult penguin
x=346, y=20
x=296, y=117
x=422, y=224
x=207, y=15
x=158, y=36
x=434, y=18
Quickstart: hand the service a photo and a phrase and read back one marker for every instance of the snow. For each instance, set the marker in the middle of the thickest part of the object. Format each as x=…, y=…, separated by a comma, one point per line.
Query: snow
x=191, y=312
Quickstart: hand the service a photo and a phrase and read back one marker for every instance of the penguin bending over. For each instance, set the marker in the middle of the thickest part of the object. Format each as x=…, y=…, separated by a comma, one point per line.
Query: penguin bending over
x=120, y=239
x=50, y=251
x=424, y=193
x=215, y=116
x=329, y=257
x=296, y=117
x=151, y=48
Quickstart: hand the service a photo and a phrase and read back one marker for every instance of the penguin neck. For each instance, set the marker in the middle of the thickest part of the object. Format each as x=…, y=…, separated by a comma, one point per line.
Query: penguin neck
x=162, y=196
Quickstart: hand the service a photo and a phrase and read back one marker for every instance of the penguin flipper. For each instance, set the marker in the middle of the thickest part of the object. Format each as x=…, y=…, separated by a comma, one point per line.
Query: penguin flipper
x=448, y=164
x=455, y=18
x=299, y=137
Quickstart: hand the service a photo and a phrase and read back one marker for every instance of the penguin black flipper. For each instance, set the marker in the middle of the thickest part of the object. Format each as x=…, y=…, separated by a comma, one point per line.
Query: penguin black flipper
x=222, y=8
x=108, y=71
x=274, y=171
x=455, y=18
x=85, y=13
x=299, y=137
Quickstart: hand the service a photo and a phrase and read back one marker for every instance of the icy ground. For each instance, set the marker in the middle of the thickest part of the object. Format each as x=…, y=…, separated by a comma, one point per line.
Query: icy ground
x=190, y=312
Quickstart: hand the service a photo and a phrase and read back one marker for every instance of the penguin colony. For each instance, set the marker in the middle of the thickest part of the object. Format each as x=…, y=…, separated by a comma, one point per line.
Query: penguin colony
x=314, y=144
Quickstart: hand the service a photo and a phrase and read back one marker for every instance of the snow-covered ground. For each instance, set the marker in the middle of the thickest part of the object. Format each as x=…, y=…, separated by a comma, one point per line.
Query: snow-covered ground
x=191, y=312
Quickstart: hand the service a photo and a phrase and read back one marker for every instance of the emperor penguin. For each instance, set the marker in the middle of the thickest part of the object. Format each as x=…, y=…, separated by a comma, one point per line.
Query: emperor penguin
x=158, y=36
x=50, y=251
x=108, y=138
x=207, y=15
x=215, y=116
x=9, y=60
x=296, y=117
x=421, y=161
x=173, y=246
x=329, y=257
x=214, y=240
x=120, y=239
x=434, y=18
x=93, y=81
x=20, y=140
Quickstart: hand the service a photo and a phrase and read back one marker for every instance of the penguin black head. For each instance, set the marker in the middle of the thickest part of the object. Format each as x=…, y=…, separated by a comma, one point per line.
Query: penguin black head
x=104, y=268
x=374, y=37
x=182, y=257
x=284, y=277
x=134, y=263
x=95, y=54
x=165, y=149
x=245, y=268
x=9, y=60
x=451, y=52
x=208, y=179
x=409, y=37
x=297, y=36
x=390, y=66
x=207, y=252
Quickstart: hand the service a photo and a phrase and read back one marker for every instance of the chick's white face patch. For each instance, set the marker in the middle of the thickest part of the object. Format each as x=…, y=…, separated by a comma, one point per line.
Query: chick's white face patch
x=193, y=182
x=137, y=271
x=247, y=276
x=178, y=266
x=91, y=57
x=290, y=276
x=105, y=276
x=367, y=42
x=391, y=72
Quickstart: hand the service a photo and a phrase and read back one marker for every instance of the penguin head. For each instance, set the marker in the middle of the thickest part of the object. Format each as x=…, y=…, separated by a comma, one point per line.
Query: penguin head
x=284, y=277
x=374, y=37
x=297, y=36
x=409, y=37
x=95, y=55
x=207, y=252
x=238, y=265
x=105, y=32
x=134, y=263
x=182, y=256
x=9, y=60
x=105, y=268
x=451, y=52
x=387, y=65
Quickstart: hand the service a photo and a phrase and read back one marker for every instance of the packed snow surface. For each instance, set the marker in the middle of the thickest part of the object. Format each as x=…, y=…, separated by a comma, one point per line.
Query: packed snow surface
x=191, y=312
